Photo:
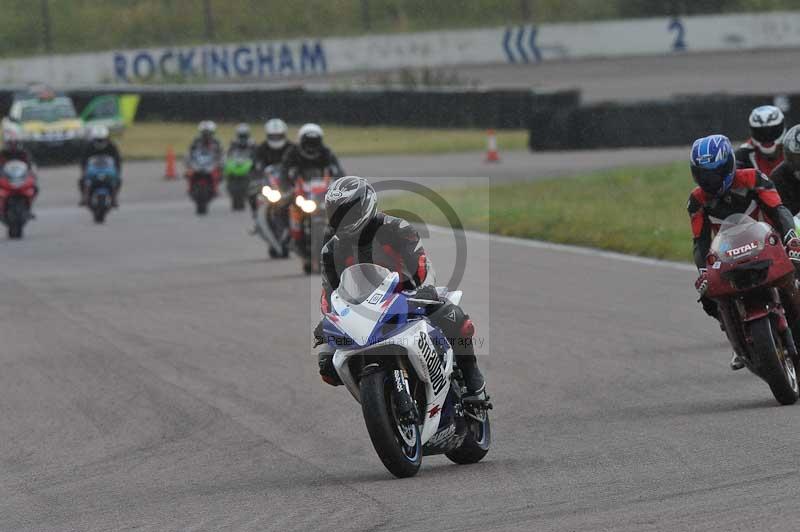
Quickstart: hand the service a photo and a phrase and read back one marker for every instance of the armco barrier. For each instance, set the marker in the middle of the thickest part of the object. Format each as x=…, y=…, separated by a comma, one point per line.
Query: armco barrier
x=445, y=108
x=675, y=122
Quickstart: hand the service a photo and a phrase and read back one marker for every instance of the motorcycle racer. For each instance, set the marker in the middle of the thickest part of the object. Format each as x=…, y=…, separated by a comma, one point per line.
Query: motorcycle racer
x=242, y=141
x=206, y=139
x=100, y=143
x=13, y=150
x=310, y=154
x=721, y=191
x=270, y=152
x=787, y=176
x=359, y=233
x=763, y=151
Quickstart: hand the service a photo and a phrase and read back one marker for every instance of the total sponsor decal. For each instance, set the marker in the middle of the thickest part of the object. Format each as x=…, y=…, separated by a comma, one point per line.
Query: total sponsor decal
x=742, y=250
x=433, y=363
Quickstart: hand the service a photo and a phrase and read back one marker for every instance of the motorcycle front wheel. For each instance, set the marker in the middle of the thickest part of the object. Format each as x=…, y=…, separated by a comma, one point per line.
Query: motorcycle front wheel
x=397, y=443
x=775, y=364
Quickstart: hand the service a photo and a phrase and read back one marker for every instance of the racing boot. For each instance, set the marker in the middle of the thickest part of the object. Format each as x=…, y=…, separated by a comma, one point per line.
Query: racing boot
x=736, y=362
x=473, y=378
x=326, y=369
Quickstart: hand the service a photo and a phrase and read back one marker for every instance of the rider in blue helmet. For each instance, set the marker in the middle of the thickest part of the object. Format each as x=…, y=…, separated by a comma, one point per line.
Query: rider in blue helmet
x=721, y=191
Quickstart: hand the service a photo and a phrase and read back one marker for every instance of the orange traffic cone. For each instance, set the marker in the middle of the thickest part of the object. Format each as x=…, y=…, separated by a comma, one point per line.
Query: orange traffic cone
x=170, y=173
x=492, y=155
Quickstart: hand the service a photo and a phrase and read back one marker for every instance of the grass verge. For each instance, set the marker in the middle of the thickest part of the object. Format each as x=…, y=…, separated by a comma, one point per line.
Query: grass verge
x=148, y=140
x=639, y=211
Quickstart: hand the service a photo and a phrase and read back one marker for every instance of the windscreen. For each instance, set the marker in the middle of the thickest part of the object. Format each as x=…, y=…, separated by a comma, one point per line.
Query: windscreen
x=361, y=280
x=15, y=170
x=101, y=161
x=51, y=111
x=739, y=236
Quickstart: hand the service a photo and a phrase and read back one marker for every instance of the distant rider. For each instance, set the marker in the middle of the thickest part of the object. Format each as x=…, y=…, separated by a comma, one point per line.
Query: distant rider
x=271, y=151
x=207, y=140
x=359, y=233
x=13, y=150
x=763, y=151
x=309, y=157
x=787, y=176
x=100, y=143
x=242, y=141
x=721, y=191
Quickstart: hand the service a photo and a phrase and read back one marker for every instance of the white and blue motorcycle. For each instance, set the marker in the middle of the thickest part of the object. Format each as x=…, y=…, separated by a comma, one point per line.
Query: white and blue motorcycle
x=402, y=370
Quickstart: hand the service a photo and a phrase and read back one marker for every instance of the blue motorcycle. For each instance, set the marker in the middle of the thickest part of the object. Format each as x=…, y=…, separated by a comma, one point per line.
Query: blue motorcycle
x=101, y=178
x=401, y=368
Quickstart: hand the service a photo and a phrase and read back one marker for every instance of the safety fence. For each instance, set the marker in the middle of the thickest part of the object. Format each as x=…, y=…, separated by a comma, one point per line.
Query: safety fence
x=501, y=109
x=674, y=122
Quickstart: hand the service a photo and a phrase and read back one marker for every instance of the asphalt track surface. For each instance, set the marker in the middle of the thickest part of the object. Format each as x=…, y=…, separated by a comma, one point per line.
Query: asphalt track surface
x=155, y=374
x=632, y=78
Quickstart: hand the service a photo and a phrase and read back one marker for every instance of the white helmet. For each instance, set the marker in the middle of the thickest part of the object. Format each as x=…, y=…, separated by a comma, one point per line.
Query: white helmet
x=767, y=126
x=207, y=126
x=309, y=140
x=276, y=129
x=99, y=133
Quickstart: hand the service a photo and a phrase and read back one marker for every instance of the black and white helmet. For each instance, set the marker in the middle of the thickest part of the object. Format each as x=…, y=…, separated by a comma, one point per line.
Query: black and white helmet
x=243, y=133
x=791, y=148
x=275, y=129
x=767, y=125
x=350, y=204
x=309, y=140
x=207, y=128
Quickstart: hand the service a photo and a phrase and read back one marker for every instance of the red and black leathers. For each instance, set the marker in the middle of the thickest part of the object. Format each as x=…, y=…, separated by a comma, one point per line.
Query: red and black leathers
x=266, y=155
x=294, y=163
x=387, y=241
x=751, y=193
x=787, y=181
x=748, y=156
x=210, y=143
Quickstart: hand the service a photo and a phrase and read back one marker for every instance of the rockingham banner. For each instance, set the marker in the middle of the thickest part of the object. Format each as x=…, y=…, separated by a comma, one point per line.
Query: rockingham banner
x=523, y=45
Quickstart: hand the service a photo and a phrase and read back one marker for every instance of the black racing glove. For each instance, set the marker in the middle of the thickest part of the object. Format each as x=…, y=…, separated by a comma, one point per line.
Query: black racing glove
x=319, y=339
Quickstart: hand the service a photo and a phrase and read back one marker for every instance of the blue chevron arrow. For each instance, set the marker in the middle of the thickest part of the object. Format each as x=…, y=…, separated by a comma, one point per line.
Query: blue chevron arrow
x=537, y=54
x=506, y=47
x=520, y=47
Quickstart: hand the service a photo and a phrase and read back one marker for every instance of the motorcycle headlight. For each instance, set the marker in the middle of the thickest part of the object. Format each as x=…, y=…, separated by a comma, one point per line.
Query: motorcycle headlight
x=299, y=200
x=273, y=196
x=309, y=206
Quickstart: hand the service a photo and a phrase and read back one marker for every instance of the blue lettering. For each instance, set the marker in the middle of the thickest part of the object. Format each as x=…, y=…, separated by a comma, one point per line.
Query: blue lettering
x=219, y=58
x=265, y=59
x=162, y=64
x=186, y=63
x=204, y=68
x=286, y=59
x=121, y=67
x=243, y=67
x=148, y=70
x=310, y=57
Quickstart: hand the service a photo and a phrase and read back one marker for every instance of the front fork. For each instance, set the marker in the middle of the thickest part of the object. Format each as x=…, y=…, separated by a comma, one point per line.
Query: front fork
x=406, y=407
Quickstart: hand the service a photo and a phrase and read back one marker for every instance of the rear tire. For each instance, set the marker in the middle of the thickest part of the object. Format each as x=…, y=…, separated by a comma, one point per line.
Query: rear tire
x=202, y=208
x=237, y=203
x=775, y=365
x=401, y=459
x=15, y=231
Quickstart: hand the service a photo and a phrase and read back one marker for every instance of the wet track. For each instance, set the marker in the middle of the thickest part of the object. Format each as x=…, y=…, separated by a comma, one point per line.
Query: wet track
x=155, y=374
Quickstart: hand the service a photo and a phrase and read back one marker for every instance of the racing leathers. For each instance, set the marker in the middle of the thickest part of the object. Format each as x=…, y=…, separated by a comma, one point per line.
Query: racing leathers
x=787, y=181
x=109, y=149
x=296, y=165
x=748, y=156
x=751, y=193
x=394, y=244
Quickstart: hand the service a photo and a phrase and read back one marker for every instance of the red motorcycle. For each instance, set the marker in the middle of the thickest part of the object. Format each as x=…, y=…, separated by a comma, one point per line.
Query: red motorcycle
x=307, y=219
x=753, y=281
x=17, y=191
x=203, y=172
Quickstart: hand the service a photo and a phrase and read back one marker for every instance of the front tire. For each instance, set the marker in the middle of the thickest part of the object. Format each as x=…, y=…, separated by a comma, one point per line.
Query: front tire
x=775, y=365
x=398, y=446
x=476, y=444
